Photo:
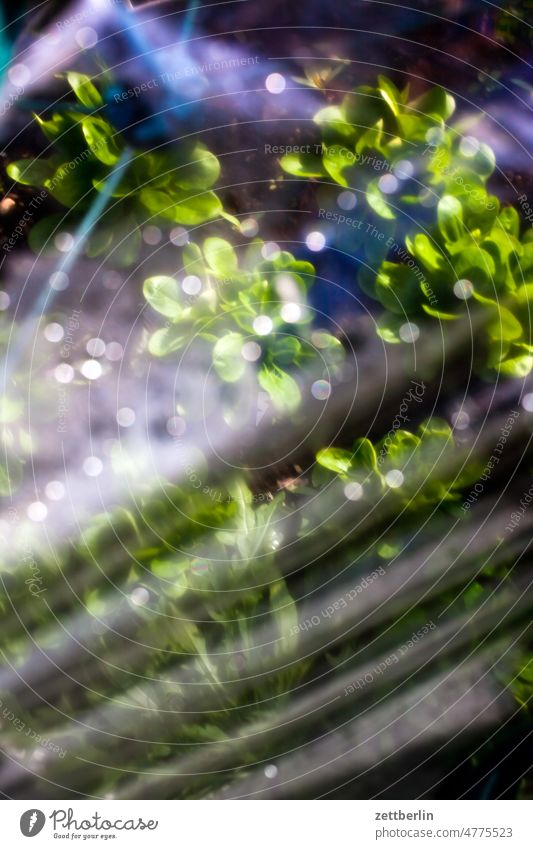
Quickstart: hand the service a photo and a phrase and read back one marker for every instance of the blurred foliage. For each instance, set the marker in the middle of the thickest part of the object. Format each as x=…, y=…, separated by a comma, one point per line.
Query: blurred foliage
x=168, y=185
x=376, y=131
x=511, y=23
x=473, y=248
x=253, y=311
x=465, y=261
x=414, y=465
x=199, y=581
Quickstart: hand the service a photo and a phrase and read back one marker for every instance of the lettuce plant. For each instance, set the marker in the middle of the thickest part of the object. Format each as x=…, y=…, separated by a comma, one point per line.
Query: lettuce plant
x=471, y=247
x=411, y=466
x=374, y=132
x=169, y=184
x=464, y=262
x=250, y=312
x=202, y=591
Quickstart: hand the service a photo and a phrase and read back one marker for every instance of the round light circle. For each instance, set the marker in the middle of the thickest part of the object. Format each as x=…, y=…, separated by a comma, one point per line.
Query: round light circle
x=54, y=491
x=463, y=290
x=53, y=332
x=64, y=373
x=353, y=491
x=291, y=312
x=394, y=478
x=251, y=351
x=321, y=390
x=191, y=284
x=409, y=332
x=249, y=227
x=64, y=242
x=59, y=281
x=87, y=37
x=262, y=325
x=114, y=351
x=179, y=236
x=275, y=83
x=91, y=369
x=37, y=511
x=347, y=201
x=315, y=241
x=388, y=184
x=125, y=417
x=93, y=466
x=95, y=347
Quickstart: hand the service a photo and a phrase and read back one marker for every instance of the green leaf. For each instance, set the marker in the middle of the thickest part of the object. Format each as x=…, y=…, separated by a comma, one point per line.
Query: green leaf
x=281, y=387
x=99, y=241
x=397, y=287
x=450, y=218
x=389, y=93
x=286, y=350
x=227, y=358
x=303, y=165
x=388, y=327
x=331, y=349
x=168, y=340
x=336, y=158
x=127, y=185
x=57, y=128
x=266, y=519
x=364, y=107
x=517, y=366
x=305, y=269
x=195, y=210
x=524, y=301
x=439, y=314
x=505, y=326
x=399, y=448
x=426, y=252
x=163, y=294
x=41, y=236
x=11, y=468
x=337, y=460
x=200, y=172
x=30, y=172
x=510, y=220
x=220, y=257
x=436, y=102
x=257, y=526
x=483, y=162
x=157, y=201
x=364, y=455
x=73, y=186
x=102, y=140
x=477, y=265
x=436, y=443
x=193, y=261
x=85, y=90
x=127, y=243
x=333, y=123
x=371, y=139
x=502, y=247
x=376, y=200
